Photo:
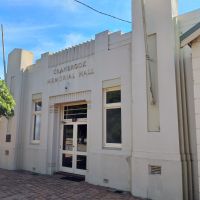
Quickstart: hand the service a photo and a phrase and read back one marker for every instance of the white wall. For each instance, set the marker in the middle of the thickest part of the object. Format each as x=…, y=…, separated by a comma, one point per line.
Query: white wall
x=109, y=56
x=196, y=82
x=5, y=161
x=185, y=22
x=155, y=148
x=110, y=64
x=17, y=62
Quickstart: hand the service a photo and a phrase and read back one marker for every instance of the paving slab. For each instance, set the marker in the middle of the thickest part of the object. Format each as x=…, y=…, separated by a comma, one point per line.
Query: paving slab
x=22, y=185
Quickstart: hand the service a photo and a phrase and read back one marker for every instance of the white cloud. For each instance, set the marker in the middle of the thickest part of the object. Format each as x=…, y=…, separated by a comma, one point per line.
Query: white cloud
x=69, y=5
x=21, y=28
x=67, y=41
x=39, y=33
x=75, y=39
x=46, y=46
x=37, y=38
x=24, y=33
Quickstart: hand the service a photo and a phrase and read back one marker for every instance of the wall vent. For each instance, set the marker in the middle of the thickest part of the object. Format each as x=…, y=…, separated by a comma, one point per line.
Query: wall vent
x=33, y=168
x=105, y=180
x=154, y=170
x=6, y=152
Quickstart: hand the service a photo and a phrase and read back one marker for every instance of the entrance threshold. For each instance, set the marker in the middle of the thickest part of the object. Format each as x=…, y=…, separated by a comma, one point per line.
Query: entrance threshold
x=70, y=176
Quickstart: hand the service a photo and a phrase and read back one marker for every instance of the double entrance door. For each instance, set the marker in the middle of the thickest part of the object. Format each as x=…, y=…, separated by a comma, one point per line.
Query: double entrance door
x=73, y=157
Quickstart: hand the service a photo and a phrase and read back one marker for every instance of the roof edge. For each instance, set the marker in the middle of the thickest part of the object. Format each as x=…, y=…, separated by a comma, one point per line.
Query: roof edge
x=190, y=35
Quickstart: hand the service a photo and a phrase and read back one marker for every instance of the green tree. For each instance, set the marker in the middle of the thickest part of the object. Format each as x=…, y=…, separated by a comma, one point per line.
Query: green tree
x=7, y=103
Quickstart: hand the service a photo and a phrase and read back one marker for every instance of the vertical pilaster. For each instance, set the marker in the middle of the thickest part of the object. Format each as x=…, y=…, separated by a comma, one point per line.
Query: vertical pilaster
x=52, y=138
x=196, y=86
x=156, y=149
x=18, y=61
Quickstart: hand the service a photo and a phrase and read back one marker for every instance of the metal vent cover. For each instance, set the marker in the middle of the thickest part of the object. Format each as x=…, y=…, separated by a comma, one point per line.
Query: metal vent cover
x=154, y=170
x=6, y=152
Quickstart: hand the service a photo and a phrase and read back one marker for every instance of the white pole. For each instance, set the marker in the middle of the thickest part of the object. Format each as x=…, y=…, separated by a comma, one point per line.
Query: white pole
x=3, y=51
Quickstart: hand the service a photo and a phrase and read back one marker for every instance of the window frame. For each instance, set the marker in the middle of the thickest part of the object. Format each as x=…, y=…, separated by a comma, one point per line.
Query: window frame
x=109, y=106
x=75, y=114
x=35, y=113
x=73, y=104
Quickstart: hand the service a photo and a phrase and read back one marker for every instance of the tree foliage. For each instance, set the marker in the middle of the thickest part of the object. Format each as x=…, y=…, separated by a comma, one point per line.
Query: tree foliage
x=7, y=103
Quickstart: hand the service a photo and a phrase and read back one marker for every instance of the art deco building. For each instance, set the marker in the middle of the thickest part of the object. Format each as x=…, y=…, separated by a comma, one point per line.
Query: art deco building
x=123, y=109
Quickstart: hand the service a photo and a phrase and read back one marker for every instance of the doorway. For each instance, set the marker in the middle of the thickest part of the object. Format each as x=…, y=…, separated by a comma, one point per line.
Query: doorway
x=73, y=143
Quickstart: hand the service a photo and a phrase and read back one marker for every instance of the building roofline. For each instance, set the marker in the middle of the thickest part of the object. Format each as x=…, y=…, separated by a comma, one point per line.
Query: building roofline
x=190, y=35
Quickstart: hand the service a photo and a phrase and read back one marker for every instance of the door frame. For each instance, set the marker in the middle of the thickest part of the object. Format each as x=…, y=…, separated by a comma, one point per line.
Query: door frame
x=74, y=153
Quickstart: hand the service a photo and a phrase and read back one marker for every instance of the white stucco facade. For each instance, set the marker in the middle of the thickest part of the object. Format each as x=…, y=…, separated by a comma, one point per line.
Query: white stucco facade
x=85, y=85
x=157, y=155
x=196, y=91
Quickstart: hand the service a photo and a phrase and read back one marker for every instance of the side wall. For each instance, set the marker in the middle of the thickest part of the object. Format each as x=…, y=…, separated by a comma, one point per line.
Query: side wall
x=196, y=82
x=192, y=142
x=4, y=159
x=11, y=151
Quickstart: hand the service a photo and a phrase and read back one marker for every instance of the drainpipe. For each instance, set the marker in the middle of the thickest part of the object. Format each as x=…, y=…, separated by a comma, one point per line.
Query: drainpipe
x=181, y=135
x=186, y=129
x=184, y=140
x=180, y=116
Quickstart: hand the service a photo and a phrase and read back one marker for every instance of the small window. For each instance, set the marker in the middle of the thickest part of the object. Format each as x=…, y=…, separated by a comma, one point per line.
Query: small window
x=113, y=97
x=38, y=106
x=112, y=117
x=75, y=112
x=113, y=126
x=36, y=121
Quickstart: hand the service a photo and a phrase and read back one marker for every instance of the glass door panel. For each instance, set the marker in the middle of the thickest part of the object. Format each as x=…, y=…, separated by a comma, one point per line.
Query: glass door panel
x=67, y=146
x=81, y=144
x=82, y=138
x=81, y=162
x=67, y=160
x=68, y=138
x=74, y=148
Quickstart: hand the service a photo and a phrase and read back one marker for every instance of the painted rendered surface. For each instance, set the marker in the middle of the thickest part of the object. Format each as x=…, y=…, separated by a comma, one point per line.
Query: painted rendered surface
x=80, y=74
x=155, y=148
x=196, y=85
x=106, y=58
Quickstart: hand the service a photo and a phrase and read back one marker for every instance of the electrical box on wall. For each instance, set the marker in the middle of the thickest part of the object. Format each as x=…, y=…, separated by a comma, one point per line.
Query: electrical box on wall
x=6, y=152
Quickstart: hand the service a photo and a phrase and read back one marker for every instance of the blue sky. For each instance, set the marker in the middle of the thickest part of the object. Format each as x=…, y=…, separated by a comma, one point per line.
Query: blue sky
x=51, y=25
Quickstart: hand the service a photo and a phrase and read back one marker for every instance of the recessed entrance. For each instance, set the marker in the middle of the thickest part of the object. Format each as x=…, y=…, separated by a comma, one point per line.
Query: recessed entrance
x=73, y=158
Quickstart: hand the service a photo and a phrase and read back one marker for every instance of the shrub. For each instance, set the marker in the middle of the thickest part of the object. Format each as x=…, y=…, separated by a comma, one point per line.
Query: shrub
x=7, y=103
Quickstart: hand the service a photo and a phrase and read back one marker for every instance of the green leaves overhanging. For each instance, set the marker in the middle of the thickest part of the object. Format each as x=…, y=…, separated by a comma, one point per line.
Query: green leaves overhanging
x=7, y=103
